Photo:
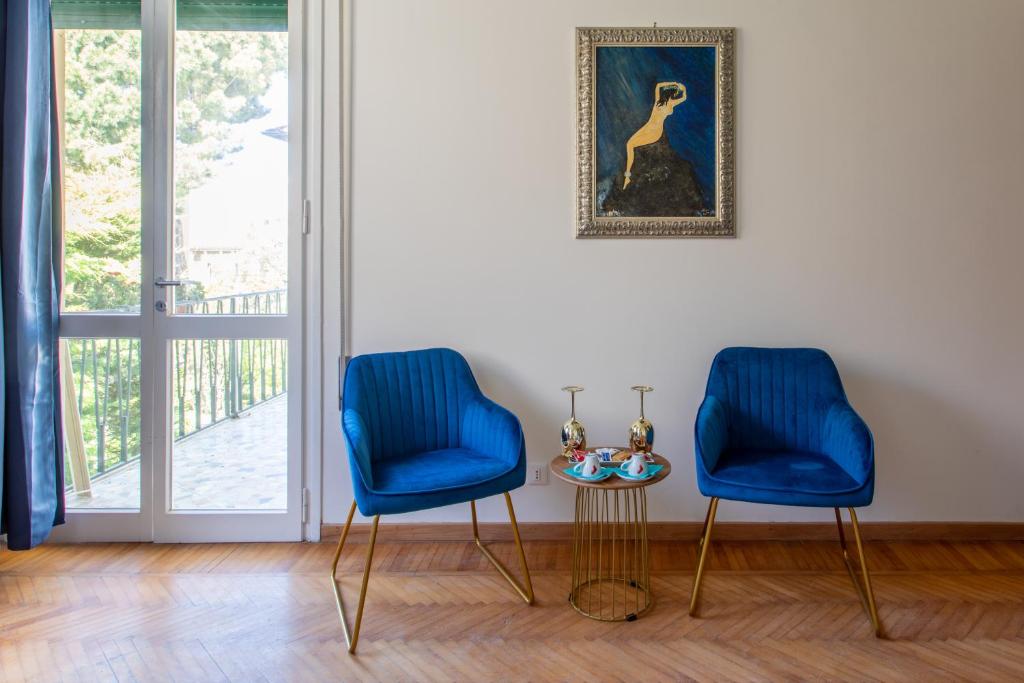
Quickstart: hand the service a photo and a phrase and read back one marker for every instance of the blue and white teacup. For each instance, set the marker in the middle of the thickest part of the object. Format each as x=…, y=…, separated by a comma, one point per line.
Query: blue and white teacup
x=606, y=454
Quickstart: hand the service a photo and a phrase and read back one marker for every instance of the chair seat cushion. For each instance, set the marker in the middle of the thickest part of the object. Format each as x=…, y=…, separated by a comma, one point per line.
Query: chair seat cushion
x=447, y=468
x=783, y=478
x=421, y=481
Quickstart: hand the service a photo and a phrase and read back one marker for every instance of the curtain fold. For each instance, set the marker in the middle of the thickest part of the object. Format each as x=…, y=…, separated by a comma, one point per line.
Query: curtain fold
x=31, y=464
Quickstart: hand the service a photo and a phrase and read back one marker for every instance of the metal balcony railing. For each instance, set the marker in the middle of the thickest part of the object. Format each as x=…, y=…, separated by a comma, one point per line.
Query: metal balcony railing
x=212, y=380
x=267, y=302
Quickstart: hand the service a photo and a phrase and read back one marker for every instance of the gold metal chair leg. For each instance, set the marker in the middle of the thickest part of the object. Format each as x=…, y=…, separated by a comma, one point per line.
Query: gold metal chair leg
x=704, y=529
x=705, y=543
x=353, y=639
x=865, y=592
x=526, y=594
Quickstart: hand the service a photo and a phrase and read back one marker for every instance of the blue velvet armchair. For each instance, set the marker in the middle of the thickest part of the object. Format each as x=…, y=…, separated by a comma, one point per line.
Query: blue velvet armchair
x=419, y=435
x=775, y=427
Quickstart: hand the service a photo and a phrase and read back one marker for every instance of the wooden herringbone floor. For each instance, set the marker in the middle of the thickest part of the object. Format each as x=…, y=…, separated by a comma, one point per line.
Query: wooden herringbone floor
x=437, y=611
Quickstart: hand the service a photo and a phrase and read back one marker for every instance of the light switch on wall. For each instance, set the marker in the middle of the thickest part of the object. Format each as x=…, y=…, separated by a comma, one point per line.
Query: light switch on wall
x=536, y=474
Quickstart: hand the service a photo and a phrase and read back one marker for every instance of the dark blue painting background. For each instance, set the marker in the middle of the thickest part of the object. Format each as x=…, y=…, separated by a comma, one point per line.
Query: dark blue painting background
x=626, y=77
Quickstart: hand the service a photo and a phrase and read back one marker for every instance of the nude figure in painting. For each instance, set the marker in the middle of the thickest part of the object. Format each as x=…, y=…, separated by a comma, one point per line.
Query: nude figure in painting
x=667, y=95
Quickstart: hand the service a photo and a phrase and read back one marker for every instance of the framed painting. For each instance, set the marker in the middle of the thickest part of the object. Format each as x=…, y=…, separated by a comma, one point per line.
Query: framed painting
x=654, y=142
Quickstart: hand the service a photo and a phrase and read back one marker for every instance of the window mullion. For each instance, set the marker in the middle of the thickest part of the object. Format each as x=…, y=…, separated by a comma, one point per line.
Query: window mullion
x=157, y=193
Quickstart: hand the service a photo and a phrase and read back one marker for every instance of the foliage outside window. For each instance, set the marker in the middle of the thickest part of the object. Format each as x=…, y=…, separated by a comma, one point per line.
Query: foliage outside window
x=221, y=77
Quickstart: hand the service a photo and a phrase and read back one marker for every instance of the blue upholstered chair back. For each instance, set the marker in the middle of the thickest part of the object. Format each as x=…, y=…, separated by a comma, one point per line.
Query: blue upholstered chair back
x=412, y=401
x=776, y=399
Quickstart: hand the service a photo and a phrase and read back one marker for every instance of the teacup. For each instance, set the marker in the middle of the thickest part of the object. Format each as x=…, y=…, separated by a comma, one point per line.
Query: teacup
x=590, y=467
x=636, y=466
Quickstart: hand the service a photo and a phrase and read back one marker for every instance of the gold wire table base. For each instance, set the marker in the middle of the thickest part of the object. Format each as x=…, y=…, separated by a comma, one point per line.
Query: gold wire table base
x=611, y=578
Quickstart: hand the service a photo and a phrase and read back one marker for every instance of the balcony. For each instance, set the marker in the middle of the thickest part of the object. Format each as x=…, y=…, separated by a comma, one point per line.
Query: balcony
x=229, y=416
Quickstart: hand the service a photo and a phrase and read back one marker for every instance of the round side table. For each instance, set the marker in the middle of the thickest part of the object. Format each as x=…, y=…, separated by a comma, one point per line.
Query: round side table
x=611, y=579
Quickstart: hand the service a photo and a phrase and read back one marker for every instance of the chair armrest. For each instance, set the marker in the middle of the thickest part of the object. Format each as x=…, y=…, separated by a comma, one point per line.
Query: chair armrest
x=711, y=432
x=847, y=440
x=357, y=442
x=492, y=430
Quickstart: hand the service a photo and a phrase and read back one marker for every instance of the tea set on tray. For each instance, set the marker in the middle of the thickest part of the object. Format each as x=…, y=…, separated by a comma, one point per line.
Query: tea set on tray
x=597, y=464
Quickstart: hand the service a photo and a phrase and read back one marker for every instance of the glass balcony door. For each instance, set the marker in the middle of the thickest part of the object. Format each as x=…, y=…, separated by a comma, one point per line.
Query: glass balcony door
x=182, y=228
x=226, y=241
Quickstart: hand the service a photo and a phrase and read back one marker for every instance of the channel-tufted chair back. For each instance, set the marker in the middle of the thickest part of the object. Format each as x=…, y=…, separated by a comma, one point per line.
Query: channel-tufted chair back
x=411, y=402
x=776, y=399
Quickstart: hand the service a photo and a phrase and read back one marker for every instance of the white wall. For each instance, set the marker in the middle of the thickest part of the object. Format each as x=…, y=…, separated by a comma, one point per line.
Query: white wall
x=880, y=173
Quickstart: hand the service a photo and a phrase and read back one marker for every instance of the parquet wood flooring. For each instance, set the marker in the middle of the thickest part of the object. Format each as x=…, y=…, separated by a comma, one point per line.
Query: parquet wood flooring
x=438, y=612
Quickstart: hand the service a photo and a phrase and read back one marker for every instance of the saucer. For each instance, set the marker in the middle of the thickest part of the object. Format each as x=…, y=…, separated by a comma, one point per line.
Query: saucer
x=604, y=474
x=652, y=471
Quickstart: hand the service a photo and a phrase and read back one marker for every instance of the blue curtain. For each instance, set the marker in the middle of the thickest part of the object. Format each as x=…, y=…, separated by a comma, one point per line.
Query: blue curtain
x=31, y=465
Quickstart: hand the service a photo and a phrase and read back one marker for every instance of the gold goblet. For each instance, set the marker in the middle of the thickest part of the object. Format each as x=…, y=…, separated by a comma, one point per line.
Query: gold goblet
x=573, y=435
x=641, y=432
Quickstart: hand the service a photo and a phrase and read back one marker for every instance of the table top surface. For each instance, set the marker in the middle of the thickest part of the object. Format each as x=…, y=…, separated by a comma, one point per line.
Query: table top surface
x=559, y=463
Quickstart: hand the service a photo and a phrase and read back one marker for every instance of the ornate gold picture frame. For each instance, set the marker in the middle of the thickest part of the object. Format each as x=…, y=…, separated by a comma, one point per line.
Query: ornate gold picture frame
x=654, y=143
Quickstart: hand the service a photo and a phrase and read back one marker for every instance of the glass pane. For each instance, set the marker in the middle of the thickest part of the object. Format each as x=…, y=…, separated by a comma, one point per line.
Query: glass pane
x=231, y=172
x=230, y=424
x=99, y=76
x=102, y=422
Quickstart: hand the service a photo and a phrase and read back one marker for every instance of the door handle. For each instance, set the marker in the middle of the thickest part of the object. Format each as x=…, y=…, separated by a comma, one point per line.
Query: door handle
x=160, y=282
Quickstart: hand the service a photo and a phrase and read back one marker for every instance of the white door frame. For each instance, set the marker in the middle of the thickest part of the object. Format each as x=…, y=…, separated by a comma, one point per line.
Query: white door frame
x=154, y=521
x=321, y=156
x=336, y=39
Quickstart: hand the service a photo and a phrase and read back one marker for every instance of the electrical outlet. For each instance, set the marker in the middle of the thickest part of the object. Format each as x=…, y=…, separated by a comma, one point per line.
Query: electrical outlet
x=536, y=474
